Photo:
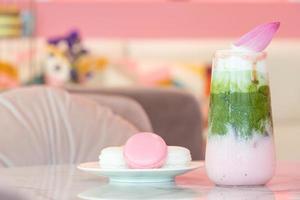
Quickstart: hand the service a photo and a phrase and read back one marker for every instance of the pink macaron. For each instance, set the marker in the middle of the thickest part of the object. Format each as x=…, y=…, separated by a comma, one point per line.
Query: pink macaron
x=145, y=151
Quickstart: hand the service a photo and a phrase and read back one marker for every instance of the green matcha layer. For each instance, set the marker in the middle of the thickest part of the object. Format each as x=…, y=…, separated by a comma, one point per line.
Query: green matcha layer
x=239, y=102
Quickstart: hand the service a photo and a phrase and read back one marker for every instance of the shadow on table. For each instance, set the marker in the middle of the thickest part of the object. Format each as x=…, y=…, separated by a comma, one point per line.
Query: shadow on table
x=238, y=193
x=139, y=191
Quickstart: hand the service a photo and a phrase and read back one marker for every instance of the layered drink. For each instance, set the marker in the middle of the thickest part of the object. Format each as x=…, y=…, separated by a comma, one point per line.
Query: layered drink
x=240, y=148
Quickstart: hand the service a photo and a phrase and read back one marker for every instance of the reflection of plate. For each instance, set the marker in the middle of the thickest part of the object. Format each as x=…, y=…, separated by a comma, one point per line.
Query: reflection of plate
x=138, y=191
x=138, y=175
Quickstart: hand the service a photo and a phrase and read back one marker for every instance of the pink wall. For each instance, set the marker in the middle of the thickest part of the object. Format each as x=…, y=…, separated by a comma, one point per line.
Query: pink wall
x=164, y=19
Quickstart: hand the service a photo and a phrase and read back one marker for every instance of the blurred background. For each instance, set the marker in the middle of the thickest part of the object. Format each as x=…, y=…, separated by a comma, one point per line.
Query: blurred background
x=150, y=43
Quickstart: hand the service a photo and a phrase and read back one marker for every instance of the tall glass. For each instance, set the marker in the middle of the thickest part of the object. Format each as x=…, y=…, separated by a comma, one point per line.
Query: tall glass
x=240, y=147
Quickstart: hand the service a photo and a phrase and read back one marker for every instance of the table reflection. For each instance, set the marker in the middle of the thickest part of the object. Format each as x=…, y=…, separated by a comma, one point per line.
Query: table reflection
x=139, y=191
x=238, y=193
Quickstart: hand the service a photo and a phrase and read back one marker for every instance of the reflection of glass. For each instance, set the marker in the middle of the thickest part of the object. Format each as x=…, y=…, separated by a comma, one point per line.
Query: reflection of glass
x=240, y=149
x=138, y=191
x=238, y=193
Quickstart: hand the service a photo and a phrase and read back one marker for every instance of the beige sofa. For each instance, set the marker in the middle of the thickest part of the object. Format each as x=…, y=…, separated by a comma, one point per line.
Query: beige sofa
x=173, y=114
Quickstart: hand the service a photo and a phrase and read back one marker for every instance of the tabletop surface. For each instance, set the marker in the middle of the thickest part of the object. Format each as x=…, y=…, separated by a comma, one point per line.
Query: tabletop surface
x=66, y=182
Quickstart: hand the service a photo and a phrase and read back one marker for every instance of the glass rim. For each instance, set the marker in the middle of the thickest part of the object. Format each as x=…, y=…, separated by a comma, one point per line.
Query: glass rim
x=248, y=54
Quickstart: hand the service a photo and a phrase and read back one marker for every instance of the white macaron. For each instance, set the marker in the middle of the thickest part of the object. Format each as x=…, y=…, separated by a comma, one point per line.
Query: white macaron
x=177, y=157
x=112, y=158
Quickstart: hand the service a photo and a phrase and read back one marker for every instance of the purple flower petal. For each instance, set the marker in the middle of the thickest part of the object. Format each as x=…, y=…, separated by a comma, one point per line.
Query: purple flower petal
x=259, y=37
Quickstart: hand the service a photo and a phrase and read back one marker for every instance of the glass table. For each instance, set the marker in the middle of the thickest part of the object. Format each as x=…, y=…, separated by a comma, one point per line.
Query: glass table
x=66, y=182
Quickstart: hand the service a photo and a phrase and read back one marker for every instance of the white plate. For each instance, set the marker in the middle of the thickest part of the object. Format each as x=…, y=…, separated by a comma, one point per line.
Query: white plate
x=138, y=175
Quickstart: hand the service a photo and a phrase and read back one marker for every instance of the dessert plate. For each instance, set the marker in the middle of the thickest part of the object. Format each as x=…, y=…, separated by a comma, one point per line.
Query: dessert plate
x=139, y=175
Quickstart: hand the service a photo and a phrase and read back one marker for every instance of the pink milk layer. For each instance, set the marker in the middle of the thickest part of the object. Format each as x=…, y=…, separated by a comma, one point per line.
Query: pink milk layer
x=233, y=161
